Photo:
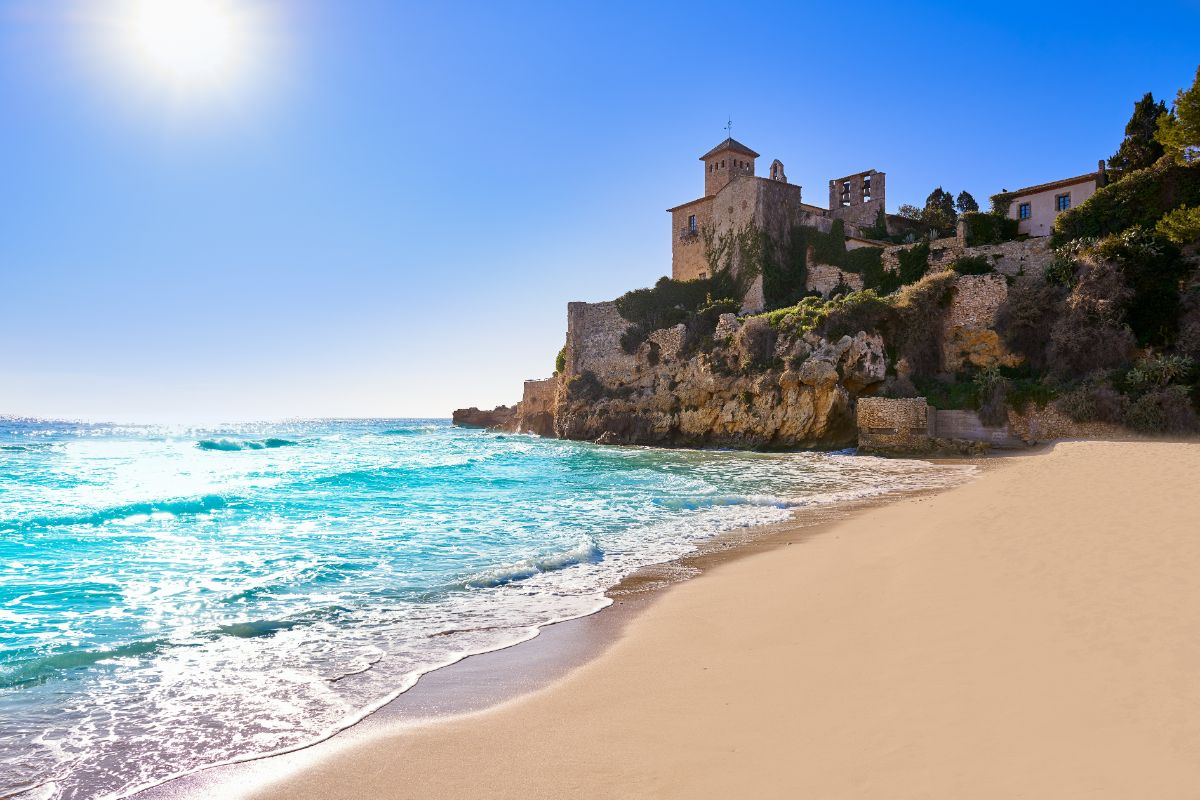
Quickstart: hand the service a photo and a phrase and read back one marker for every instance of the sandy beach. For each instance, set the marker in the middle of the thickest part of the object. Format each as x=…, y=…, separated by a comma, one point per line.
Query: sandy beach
x=1030, y=634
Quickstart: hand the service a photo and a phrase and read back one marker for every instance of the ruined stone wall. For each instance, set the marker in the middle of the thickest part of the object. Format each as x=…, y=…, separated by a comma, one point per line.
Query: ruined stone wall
x=687, y=249
x=966, y=426
x=825, y=278
x=594, y=342
x=893, y=425
x=1028, y=257
x=969, y=330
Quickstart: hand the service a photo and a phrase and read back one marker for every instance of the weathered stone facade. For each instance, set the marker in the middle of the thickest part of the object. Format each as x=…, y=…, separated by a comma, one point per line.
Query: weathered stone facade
x=1018, y=257
x=539, y=401
x=1041, y=424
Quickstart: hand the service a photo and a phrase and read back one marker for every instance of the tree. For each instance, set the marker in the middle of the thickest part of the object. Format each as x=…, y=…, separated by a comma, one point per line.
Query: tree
x=909, y=211
x=1139, y=149
x=939, y=212
x=1179, y=133
x=966, y=203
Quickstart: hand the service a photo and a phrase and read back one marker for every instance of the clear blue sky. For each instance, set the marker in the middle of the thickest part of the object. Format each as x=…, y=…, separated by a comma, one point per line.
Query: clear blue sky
x=390, y=212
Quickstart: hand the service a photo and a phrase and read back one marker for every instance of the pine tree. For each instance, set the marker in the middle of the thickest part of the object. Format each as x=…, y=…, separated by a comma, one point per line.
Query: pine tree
x=1140, y=149
x=1179, y=133
x=939, y=213
x=966, y=203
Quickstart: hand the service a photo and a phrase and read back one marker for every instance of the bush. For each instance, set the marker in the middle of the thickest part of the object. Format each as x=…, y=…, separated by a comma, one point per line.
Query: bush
x=1023, y=319
x=756, y=341
x=1181, y=226
x=1140, y=198
x=865, y=261
x=560, y=361
x=914, y=263
x=1153, y=268
x=1154, y=372
x=1164, y=410
x=1095, y=400
x=971, y=265
x=916, y=325
x=989, y=228
x=859, y=311
x=1090, y=334
x=991, y=392
x=670, y=303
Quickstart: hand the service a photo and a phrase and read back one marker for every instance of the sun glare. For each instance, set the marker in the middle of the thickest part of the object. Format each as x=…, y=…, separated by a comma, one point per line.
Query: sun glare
x=186, y=44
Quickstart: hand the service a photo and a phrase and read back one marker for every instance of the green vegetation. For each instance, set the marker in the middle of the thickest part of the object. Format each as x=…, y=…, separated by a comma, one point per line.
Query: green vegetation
x=971, y=265
x=914, y=262
x=1140, y=149
x=1181, y=226
x=1142, y=197
x=560, y=361
x=989, y=228
x=965, y=203
x=1179, y=132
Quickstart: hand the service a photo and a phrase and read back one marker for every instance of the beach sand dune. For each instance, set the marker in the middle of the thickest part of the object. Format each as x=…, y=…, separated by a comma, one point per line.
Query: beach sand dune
x=1034, y=634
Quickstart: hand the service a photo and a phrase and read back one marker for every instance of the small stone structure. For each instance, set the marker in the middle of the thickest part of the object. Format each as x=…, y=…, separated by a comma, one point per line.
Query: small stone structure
x=894, y=425
x=535, y=412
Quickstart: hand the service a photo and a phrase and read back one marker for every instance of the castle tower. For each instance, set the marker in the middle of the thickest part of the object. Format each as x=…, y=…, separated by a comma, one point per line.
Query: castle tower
x=725, y=162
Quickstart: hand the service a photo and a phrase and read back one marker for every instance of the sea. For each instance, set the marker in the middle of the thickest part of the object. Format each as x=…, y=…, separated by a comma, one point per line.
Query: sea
x=174, y=597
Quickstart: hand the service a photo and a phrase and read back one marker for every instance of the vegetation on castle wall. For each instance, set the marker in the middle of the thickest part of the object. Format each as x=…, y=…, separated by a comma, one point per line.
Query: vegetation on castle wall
x=560, y=361
x=971, y=265
x=914, y=263
x=1181, y=226
x=989, y=228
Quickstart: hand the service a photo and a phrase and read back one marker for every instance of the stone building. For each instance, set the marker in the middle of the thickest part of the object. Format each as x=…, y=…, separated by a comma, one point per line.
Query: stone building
x=735, y=198
x=1035, y=207
x=857, y=199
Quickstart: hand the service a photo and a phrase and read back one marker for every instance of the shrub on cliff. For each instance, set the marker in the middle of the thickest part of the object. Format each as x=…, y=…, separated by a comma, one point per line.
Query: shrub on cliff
x=916, y=327
x=1023, y=319
x=992, y=390
x=989, y=228
x=1164, y=410
x=1094, y=400
x=1181, y=226
x=971, y=265
x=560, y=361
x=1091, y=333
x=914, y=262
x=1152, y=268
x=1142, y=198
x=756, y=342
x=857, y=311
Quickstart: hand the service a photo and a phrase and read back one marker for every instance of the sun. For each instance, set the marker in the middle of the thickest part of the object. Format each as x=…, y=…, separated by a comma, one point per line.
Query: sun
x=186, y=44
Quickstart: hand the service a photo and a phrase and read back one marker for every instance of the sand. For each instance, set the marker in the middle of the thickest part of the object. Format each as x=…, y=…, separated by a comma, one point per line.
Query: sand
x=1033, y=634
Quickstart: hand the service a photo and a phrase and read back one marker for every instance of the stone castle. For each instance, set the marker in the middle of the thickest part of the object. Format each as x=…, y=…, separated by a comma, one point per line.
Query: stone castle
x=666, y=393
x=735, y=197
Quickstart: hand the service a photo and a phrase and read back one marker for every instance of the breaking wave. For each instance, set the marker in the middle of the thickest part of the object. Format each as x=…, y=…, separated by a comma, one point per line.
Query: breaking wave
x=586, y=552
x=130, y=511
x=230, y=445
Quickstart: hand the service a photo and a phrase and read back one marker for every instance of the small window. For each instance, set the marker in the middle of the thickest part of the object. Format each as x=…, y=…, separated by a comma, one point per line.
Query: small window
x=692, y=223
x=1062, y=201
x=703, y=275
x=867, y=188
x=722, y=163
x=1024, y=211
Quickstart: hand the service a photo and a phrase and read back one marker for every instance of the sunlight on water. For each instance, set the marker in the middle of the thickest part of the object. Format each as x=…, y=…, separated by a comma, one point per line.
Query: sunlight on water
x=171, y=598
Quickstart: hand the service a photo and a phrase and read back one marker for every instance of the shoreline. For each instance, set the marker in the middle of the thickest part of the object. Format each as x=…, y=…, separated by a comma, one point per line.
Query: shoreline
x=480, y=682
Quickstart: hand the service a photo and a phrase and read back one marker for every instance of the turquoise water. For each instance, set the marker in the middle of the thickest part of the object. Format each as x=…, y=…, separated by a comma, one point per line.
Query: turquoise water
x=174, y=597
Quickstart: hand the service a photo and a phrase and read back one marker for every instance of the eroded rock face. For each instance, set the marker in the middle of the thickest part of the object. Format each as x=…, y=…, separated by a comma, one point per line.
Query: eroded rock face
x=499, y=417
x=679, y=397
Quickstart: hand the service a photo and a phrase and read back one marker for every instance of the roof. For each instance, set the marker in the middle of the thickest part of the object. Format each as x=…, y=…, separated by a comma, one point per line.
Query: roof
x=729, y=144
x=690, y=203
x=1045, y=187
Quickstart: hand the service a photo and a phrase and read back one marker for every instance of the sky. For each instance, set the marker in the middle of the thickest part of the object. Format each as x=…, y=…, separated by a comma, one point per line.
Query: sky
x=384, y=208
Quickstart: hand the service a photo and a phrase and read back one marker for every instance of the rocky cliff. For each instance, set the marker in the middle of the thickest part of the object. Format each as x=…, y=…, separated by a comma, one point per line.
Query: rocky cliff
x=747, y=388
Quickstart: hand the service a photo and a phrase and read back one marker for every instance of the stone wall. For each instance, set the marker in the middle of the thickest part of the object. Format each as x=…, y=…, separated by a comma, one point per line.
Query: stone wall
x=860, y=211
x=967, y=427
x=890, y=424
x=594, y=342
x=824, y=278
x=969, y=331
x=1027, y=257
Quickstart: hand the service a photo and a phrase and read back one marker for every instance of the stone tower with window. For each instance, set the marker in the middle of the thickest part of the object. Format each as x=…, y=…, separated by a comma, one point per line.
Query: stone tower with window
x=724, y=163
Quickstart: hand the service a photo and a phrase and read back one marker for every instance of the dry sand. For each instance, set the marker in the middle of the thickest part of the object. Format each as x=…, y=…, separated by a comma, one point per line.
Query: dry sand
x=1033, y=634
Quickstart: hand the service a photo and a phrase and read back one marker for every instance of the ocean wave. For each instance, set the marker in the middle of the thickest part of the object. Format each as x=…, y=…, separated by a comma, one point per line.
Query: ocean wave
x=39, y=670
x=177, y=507
x=231, y=445
x=586, y=552
x=698, y=502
